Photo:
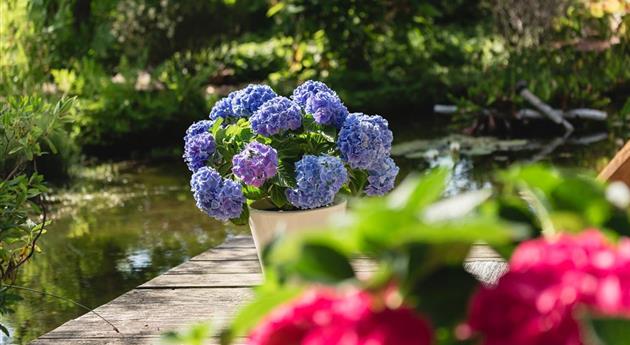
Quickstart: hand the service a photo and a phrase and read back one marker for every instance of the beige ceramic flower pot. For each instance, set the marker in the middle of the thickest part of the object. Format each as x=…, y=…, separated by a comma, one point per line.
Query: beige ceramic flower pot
x=266, y=223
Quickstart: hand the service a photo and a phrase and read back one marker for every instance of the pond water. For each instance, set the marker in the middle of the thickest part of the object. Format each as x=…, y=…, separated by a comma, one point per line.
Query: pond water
x=119, y=225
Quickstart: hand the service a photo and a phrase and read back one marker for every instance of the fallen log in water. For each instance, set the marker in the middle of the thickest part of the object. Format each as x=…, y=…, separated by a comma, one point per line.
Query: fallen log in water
x=544, y=108
x=579, y=113
x=480, y=146
x=582, y=113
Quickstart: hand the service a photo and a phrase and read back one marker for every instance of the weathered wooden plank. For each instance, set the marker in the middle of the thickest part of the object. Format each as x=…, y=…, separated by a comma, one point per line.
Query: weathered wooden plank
x=117, y=341
x=486, y=271
x=216, y=267
x=237, y=242
x=245, y=266
x=618, y=169
x=235, y=254
x=210, y=287
x=146, y=312
x=478, y=252
x=103, y=341
x=204, y=280
x=481, y=252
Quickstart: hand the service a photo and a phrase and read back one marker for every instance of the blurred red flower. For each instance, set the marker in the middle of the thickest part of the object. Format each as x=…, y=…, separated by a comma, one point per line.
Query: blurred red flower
x=535, y=302
x=327, y=317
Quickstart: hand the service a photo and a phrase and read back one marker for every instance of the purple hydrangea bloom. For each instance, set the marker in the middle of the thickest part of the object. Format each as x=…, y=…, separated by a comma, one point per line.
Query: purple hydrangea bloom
x=319, y=178
x=223, y=107
x=245, y=102
x=308, y=89
x=276, y=116
x=198, y=149
x=382, y=177
x=197, y=128
x=364, y=140
x=327, y=109
x=218, y=197
x=255, y=164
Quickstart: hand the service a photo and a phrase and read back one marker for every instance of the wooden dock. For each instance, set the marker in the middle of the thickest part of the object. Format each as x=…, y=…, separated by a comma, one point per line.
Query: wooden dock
x=209, y=287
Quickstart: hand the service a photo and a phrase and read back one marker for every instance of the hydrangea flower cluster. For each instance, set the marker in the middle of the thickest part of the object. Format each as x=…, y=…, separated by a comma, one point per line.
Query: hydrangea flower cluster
x=245, y=102
x=197, y=128
x=327, y=109
x=382, y=177
x=535, y=302
x=319, y=178
x=218, y=197
x=323, y=103
x=199, y=145
x=255, y=164
x=364, y=141
x=323, y=316
x=198, y=150
x=266, y=134
x=276, y=116
x=223, y=108
x=308, y=89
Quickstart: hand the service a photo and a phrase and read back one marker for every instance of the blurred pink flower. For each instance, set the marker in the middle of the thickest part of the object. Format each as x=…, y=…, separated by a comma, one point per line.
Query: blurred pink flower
x=587, y=262
x=534, y=303
x=525, y=310
x=328, y=317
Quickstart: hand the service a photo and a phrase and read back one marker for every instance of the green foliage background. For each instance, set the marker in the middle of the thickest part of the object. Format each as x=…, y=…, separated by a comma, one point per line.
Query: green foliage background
x=144, y=69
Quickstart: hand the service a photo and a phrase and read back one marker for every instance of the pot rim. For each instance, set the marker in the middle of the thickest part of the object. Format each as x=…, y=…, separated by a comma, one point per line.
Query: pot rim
x=338, y=201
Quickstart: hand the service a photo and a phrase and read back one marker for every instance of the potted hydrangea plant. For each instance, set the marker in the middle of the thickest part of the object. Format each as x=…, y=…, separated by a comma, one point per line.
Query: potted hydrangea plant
x=283, y=162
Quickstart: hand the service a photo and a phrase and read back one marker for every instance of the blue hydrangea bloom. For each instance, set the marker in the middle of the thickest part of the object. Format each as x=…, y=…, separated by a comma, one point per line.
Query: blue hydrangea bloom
x=218, y=197
x=198, y=149
x=223, y=107
x=382, y=177
x=197, y=128
x=255, y=164
x=364, y=140
x=245, y=102
x=319, y=178
x=276, y=116
x=327, y=109
x=308, y=89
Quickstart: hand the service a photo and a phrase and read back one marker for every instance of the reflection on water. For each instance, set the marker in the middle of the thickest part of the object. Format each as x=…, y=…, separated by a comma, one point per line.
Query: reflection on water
x=120, y=225
x=111, y=234
x=473, y=160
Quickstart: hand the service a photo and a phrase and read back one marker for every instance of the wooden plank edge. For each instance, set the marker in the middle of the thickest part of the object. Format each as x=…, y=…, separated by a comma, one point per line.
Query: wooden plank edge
x=618, y=169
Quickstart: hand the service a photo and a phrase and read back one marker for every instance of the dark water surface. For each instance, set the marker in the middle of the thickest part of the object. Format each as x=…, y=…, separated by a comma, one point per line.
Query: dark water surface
x=119, y=225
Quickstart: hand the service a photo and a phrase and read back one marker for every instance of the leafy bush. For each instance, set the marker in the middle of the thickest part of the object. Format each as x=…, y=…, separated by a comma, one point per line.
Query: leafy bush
x=382, y=57
x=29, y=127
x=133, y=111
x=419, y=242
